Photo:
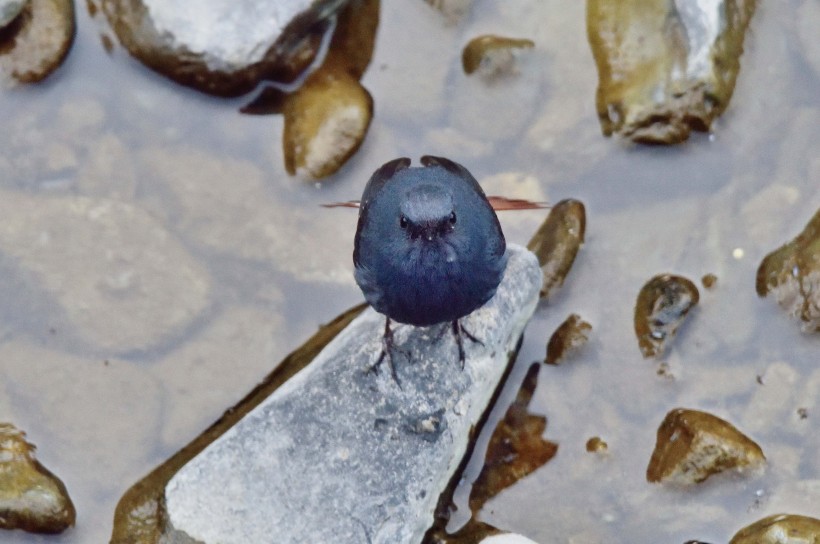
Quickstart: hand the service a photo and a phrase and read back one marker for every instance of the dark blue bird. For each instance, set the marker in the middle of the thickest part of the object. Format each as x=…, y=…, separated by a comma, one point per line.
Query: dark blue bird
x=429, y=247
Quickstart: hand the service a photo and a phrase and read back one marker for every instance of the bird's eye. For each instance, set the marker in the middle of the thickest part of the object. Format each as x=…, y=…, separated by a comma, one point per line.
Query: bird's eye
x=452, y=218
x=403, y=222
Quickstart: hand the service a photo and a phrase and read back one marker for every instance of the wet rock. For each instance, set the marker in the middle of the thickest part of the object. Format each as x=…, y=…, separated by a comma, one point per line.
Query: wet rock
x=693, y=445
x=665, y=67
x=222, y=47
x=334, y=455
x=780, y=529
x=9, y=10
x=493, y=56
x=516, y=447
x=327, y=118
x=662, y=306
x=792, y=274
x=31, y=497
x=557, y=241
x=325, y=123
x=110, y=266
x=37, y=41
x=596, y=445
x=567, y=339
x=708, y=280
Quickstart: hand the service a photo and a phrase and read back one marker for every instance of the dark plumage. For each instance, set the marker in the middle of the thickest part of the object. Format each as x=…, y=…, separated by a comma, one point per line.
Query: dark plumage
x=428, y=248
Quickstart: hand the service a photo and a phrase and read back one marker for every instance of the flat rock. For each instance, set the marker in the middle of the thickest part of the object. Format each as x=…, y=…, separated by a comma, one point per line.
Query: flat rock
x=340, y=455
x=224, y=47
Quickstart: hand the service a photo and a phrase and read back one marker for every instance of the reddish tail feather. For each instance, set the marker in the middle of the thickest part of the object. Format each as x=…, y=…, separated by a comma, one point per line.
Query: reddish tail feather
x=499, y=203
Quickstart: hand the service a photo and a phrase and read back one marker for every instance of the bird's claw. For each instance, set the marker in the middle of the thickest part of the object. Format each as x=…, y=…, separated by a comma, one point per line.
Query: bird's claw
x=388, y=349
x=458, y=329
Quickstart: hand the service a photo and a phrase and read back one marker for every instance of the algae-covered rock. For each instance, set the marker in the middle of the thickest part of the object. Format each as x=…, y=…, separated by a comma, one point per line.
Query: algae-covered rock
x=557, y=241
x=111, y=266
x=693, y=445
x=325, y=123
x=37, y=40
x=662, y=306
x=665, y=67
x=31, y=497
x=492, y=56
x=780, y=529
x=327, y=118
x=567, y=339
x=792, y=274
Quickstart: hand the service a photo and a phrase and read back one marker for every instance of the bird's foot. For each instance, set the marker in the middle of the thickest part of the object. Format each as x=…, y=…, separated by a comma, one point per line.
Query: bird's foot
x=458, y=330
x=388, y=350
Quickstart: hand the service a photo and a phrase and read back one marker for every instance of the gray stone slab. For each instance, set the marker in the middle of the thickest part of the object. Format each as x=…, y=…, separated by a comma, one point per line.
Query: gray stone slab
x=344, y=456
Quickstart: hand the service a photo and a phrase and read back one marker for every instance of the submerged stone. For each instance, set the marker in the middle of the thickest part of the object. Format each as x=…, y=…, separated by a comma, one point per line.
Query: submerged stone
x=557, y=241
x=567, y=339
x=665, y=67
x=792, y=274
x=338, y=454
x=453, y=10
x=123, y=266
x=662, y=306
x=36, y=40
x=780, y=529
x=327, y=118
x=693, y=445
x=492, y=56
x=223, y=47
x=31, y=497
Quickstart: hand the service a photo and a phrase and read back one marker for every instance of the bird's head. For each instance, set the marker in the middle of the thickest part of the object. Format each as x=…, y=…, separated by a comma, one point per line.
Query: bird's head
x=427, y=213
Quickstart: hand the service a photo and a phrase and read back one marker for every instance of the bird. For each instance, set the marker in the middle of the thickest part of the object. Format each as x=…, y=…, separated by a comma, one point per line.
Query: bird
x=428, y=248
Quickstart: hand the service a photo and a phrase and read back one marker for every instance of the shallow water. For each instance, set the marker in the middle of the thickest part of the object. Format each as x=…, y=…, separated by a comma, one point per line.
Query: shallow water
x=127, y=328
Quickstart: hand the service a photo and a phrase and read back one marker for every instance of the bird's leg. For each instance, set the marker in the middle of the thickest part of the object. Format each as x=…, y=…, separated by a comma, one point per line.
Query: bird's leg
x=458, y=329
x=387, y=350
